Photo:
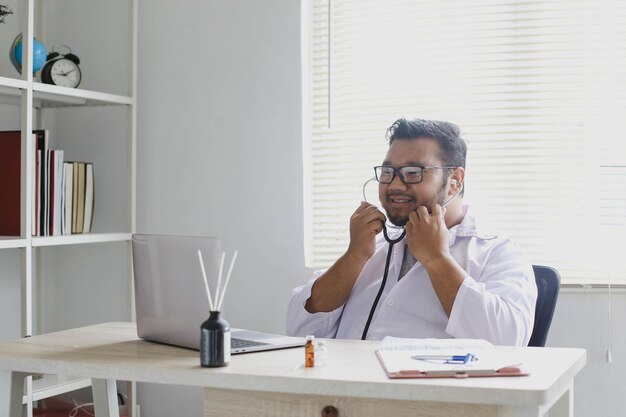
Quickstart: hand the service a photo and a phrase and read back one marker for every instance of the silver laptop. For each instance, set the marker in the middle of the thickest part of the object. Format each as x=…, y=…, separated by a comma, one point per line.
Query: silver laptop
x=170, y=296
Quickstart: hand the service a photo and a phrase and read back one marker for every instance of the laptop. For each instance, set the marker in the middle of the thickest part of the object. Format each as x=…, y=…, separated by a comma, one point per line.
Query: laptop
x=170, y=296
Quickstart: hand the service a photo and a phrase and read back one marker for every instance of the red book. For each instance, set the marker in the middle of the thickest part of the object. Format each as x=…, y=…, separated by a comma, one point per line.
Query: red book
x=10, y=186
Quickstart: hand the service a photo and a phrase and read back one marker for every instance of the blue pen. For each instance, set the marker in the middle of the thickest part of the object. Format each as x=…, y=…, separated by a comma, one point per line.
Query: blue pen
x=453, y=359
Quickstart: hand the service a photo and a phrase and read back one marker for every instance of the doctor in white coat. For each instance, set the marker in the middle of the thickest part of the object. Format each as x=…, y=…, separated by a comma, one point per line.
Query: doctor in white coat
x=445, y=278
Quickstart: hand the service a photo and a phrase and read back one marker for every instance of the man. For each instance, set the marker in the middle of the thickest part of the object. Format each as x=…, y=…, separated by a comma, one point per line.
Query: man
x=445, y=279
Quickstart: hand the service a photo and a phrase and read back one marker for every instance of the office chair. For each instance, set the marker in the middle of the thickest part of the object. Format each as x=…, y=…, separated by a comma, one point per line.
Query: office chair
x=548, y=283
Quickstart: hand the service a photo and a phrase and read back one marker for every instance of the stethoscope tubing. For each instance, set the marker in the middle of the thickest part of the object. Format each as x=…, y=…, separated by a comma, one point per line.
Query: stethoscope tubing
x=382, y=284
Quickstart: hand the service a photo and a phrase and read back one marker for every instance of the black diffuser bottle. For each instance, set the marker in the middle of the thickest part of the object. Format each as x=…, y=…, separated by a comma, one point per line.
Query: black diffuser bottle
x=214, y=341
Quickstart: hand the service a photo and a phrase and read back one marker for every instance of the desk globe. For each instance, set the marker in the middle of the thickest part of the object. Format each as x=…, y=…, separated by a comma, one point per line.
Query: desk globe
x=39, y=54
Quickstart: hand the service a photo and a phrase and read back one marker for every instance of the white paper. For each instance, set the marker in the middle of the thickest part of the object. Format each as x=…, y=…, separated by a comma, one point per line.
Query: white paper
x=397, y=353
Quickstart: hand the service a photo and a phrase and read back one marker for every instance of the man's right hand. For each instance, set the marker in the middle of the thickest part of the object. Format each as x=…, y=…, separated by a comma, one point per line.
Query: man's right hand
x=366, y=222
x=333, y=287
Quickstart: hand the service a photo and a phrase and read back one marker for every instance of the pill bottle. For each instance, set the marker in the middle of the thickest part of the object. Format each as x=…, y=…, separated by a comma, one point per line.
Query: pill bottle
x=309, y=352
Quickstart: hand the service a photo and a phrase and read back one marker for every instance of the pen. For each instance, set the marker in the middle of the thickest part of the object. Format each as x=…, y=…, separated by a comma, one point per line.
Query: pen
x=456, y=359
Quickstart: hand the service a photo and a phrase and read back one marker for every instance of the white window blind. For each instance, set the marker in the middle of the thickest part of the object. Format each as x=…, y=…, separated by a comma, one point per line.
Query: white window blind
x=538, y=88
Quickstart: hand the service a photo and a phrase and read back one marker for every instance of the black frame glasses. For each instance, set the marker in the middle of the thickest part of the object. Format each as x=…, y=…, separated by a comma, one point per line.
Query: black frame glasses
x=409, y=174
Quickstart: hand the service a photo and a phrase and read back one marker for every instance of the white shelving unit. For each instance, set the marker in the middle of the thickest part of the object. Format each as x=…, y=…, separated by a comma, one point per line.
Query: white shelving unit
x=33, y=97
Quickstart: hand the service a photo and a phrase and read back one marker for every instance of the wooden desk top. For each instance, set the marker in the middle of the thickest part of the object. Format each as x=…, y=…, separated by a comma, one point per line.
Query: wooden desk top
x=113, y=351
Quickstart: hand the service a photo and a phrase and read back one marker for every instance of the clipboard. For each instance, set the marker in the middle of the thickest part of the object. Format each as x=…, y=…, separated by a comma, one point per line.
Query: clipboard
x=399, y=364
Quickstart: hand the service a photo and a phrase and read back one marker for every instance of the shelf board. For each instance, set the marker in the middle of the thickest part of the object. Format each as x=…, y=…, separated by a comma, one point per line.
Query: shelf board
x=12, y=83
x=50, y=96
x=11, y=90
x=51, y=385
x=80, y=239
x=46, y=95
x=12, y=242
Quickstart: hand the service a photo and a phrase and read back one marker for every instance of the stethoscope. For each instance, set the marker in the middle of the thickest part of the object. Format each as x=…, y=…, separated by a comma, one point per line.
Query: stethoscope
x=389, y=252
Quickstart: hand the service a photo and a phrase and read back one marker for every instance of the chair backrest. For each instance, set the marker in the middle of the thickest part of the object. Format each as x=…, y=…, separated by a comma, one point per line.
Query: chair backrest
x=548, y=284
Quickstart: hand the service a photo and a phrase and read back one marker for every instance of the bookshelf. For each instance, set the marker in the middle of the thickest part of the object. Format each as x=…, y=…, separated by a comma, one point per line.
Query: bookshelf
x=97, y=122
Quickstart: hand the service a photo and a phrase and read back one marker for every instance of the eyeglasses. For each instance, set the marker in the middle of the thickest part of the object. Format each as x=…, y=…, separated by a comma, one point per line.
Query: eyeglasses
x=408, y=174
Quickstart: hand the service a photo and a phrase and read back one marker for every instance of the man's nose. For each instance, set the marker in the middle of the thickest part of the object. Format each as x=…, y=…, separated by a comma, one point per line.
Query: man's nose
x=397, y=183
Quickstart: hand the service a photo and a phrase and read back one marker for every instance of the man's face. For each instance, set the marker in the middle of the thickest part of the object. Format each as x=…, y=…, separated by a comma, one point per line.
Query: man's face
x=399, y=199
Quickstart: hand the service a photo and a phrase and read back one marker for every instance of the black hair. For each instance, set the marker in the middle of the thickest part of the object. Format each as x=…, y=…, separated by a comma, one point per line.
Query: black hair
x=447, y=135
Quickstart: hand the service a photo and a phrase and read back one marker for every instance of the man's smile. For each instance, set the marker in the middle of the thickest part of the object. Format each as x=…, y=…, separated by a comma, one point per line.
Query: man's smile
x=400, y=199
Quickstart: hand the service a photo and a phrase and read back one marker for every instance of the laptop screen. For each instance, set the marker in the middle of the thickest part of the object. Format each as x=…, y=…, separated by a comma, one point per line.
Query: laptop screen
x=170, y=296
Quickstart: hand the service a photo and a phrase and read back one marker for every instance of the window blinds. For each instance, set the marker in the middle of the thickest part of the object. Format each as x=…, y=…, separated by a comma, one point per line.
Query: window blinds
x=537, y=87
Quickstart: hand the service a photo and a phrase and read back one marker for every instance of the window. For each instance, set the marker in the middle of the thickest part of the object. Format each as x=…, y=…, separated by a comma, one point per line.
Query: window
x=538, y=88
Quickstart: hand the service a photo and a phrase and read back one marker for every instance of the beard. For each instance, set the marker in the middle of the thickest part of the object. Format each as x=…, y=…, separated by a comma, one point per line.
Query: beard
x=400, y=219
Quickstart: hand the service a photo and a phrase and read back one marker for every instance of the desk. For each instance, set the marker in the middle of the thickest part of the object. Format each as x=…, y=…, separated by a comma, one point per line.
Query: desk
x=274, y=384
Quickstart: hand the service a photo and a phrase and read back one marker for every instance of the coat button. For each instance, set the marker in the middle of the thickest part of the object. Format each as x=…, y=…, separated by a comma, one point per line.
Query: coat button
x=389, y=302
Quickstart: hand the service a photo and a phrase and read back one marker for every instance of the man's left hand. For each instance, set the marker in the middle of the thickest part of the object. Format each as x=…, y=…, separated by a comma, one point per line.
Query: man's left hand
x=427, y=234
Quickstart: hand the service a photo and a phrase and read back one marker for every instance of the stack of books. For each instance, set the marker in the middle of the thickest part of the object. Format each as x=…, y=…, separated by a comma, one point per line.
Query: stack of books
x=62, y=194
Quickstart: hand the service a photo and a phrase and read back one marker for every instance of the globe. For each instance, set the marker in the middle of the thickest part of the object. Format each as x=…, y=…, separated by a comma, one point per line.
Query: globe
x=39, y=54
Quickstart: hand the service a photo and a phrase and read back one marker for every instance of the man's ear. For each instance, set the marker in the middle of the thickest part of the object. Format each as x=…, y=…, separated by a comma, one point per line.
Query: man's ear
x=456, y=179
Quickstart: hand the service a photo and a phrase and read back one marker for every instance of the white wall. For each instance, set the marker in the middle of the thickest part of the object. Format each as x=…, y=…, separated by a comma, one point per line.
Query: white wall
x=219, y=151
x=582, y=320
x=219, y=146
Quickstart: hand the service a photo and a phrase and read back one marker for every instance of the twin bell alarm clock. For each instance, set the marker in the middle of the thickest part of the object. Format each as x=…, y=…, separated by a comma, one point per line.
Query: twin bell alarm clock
x=61, y=69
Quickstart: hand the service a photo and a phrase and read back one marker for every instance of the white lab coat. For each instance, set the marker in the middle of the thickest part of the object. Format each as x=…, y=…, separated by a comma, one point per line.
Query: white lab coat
x=496, y=301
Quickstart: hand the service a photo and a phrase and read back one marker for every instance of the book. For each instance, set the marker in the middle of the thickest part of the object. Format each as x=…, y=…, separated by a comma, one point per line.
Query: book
x=41, y=146
x=80, y=207
x=33, y=188
x=51, y=193
x=58, y=192
x=89, y=197
x=439, y=358
x=74, y=196
x=45, y=201
x=10, y=183
x=37, y=200
x=68, y=168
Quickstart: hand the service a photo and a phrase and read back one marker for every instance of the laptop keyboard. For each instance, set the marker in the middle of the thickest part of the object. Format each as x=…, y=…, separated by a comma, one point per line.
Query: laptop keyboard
x=243, y=343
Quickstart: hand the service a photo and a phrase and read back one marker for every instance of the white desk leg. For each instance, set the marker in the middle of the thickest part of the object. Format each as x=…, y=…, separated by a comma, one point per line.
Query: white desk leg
x=105, y=397
x=11, y=393
x=564, y=406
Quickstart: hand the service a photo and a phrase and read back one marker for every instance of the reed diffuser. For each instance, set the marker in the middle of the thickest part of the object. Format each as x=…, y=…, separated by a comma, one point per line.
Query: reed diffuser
x=215, y=331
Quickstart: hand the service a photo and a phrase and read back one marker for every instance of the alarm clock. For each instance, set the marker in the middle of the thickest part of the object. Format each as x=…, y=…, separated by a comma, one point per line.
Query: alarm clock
x=61, y=69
